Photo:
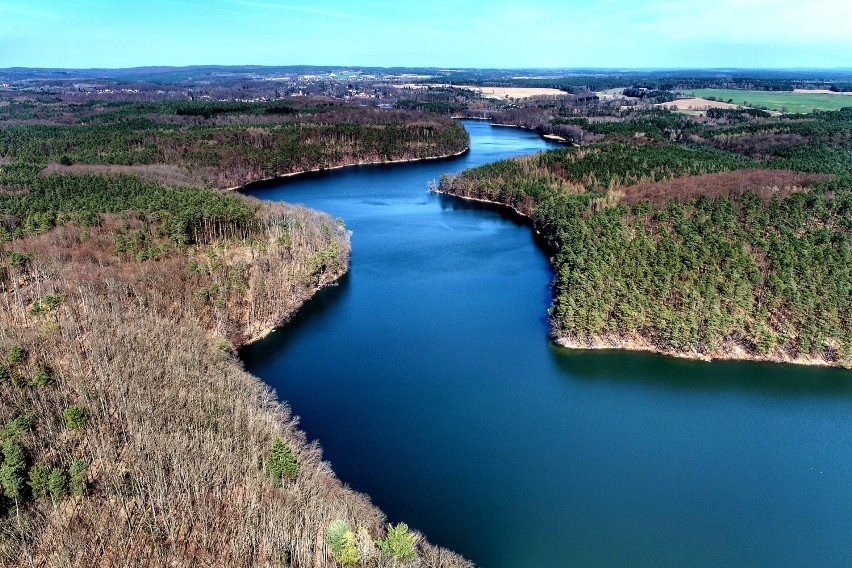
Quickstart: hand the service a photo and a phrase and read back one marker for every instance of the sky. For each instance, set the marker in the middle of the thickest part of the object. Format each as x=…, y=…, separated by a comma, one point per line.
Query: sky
x=427, y=33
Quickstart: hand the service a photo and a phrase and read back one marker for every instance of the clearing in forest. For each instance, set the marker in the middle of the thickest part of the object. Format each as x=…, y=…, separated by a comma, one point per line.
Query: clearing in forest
x=783, y=101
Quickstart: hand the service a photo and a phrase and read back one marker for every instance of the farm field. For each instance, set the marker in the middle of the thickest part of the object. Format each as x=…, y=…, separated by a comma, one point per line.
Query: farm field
x=695, y=104
x=784, y=101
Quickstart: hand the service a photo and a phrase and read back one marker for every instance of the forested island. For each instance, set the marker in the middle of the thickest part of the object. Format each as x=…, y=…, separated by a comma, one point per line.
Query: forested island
x=130, y=433
x=725, y=237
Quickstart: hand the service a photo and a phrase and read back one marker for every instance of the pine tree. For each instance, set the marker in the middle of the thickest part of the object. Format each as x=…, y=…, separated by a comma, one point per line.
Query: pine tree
x=78, y=472
x=281, y=463
x=12, y=470
x=335, y=536
x=57, y=484
x=38, y=480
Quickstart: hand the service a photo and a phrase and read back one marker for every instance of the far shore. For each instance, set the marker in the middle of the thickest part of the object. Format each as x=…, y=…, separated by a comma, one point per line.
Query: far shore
x=548, y=137
x=340, y=166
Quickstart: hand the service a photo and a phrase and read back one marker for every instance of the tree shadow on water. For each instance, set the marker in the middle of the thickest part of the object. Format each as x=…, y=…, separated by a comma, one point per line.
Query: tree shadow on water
x=313, y=312
x=670, y=373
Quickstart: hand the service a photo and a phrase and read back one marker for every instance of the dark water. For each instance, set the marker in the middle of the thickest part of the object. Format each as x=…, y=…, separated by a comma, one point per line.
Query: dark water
x=429, y=380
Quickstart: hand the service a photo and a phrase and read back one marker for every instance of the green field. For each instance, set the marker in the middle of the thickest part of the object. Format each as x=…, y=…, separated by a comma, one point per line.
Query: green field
x=784, y=101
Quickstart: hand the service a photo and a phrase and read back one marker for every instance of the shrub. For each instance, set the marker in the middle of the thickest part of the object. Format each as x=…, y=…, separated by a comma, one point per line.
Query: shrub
x=52, y=301
x=15, y=355
x=38, y=480
x=19, y=258
x=36, y=309
x=40, y=378
x=399, y=543
x=75, y=417
x=282, y=463
x=57, y=484
x=78, y=472
x=19, y=381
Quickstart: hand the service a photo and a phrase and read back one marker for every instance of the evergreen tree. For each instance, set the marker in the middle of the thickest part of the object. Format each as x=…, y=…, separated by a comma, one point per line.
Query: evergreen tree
x=281, y=463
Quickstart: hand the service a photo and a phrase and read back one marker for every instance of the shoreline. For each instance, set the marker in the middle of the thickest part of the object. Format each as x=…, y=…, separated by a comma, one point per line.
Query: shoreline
x=548, y=137
x=266, y=331
x=277, y=177
x=640, y=343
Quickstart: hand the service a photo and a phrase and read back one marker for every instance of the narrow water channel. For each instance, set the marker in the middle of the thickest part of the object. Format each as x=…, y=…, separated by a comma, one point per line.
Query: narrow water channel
x=428, y=379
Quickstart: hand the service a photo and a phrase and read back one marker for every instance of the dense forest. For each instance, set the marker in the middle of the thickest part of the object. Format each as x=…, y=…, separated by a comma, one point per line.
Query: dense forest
x=222, y=144
x=728, y=238
x=130, y=433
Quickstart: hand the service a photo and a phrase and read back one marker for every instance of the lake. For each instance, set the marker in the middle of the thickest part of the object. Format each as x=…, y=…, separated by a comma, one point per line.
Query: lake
x=429, y=380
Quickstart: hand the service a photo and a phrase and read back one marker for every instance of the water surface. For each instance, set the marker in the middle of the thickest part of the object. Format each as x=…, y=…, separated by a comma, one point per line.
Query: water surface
x=428, y=378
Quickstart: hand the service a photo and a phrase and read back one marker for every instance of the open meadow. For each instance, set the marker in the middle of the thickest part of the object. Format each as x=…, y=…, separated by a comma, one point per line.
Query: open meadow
x=783, y=101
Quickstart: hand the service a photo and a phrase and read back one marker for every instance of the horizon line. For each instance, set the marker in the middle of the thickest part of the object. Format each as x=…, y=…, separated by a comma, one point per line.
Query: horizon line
x=433, y=67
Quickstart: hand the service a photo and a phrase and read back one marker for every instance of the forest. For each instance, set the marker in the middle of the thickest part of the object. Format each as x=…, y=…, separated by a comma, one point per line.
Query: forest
x=130, y=433
x=729, y=238
x=225, y=144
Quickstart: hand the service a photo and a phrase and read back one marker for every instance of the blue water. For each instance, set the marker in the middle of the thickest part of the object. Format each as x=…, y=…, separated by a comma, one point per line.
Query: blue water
x=428, y=378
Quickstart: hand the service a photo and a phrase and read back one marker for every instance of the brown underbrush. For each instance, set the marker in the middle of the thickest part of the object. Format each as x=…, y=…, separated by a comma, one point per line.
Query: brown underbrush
x=176, y=434
x=730, y=185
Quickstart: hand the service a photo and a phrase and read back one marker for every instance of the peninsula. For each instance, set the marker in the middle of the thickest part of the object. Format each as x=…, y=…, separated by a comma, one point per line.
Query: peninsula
x=728, y=237
x=130, y=432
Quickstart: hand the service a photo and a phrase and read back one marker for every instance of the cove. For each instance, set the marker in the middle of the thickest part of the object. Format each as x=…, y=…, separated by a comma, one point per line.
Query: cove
x=428, y=378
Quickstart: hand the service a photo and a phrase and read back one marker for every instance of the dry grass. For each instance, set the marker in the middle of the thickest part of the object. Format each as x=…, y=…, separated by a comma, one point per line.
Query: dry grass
x=820, y=92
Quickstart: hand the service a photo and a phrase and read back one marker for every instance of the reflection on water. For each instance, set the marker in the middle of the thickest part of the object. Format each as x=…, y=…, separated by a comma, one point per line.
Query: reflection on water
x=684, y=374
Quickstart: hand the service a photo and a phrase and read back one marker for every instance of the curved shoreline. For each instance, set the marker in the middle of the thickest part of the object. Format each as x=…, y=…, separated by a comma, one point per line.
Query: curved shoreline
x=266, y=330
x=548, y=137
x=264, y=181
x=641, y=343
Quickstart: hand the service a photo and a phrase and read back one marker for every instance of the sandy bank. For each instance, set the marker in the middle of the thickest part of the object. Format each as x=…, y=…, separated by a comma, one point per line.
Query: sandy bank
x=730, y=352
x=697, y=104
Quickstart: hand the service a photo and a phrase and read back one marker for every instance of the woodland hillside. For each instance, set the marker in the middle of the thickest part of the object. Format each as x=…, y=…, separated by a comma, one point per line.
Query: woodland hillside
x=130, y=434
x=218, y=144
x=730, y=239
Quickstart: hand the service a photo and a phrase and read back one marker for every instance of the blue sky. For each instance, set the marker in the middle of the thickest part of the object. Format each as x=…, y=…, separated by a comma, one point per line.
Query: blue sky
x=442, y=33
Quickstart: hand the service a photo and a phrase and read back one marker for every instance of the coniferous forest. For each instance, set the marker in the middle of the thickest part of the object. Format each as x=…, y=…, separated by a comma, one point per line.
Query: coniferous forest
x=729, y=239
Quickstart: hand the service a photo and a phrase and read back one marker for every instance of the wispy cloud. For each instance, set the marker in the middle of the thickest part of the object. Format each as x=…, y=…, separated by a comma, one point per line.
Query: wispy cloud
x=25, y=10
x=334, y=14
